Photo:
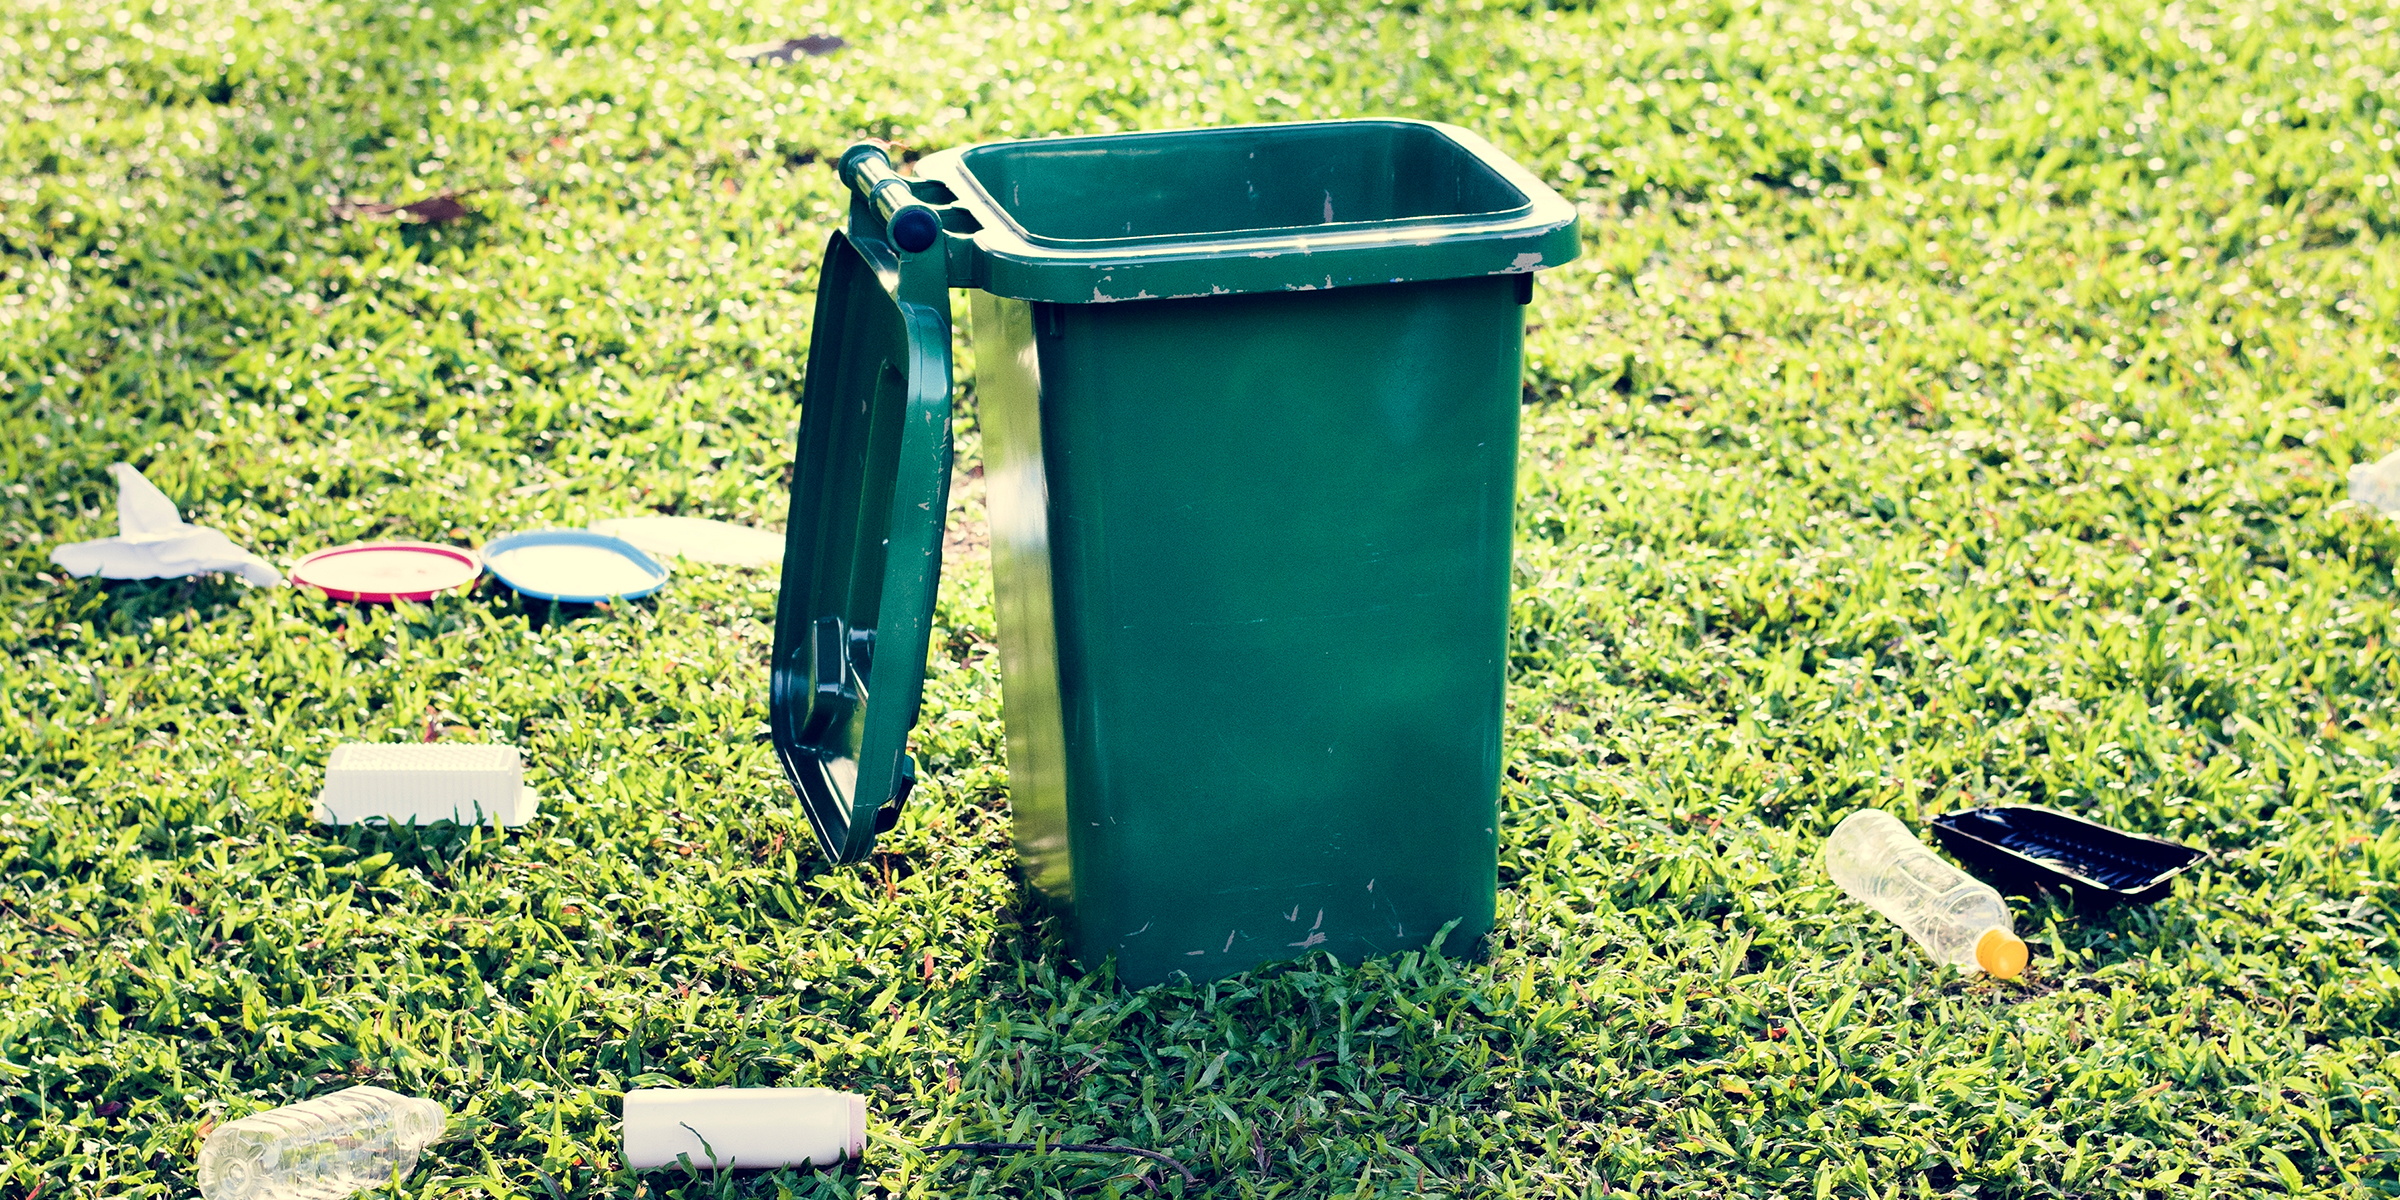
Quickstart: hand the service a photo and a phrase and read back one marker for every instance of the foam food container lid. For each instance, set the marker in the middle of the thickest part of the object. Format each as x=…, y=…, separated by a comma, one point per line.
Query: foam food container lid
x=421, y=783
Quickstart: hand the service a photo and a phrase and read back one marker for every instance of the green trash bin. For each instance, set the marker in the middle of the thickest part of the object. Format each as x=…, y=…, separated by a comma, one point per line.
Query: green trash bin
x=1249, y=399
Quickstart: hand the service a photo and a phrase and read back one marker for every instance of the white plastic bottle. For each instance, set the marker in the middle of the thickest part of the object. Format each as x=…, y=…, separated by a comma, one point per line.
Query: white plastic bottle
x=743, y=1127
x=1955, y=917
x=321, y=1149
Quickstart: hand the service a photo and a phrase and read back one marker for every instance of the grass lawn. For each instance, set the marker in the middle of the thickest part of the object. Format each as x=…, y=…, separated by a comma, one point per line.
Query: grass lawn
x=1951, y=406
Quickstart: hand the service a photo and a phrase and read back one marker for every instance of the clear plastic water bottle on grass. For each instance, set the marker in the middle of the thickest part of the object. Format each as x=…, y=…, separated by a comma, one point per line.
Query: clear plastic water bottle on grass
x=321, y=1149
x=1955, y=917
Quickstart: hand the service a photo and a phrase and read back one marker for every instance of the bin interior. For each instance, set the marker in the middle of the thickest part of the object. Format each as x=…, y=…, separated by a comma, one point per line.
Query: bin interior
x=1206, y=184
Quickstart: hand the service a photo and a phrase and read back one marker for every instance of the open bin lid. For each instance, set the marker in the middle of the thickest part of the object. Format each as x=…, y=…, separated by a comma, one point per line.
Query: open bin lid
x=862, y=552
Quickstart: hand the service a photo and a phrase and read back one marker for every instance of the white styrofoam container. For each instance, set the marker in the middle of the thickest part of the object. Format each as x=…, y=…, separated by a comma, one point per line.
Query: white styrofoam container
x=743, y=1127
x=421, y=783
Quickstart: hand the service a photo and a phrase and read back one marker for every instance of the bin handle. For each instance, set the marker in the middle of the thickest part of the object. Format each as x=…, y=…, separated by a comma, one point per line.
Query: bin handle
x=912, y=224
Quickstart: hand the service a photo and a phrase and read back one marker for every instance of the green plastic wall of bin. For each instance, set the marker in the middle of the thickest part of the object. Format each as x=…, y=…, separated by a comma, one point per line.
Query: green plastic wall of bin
x=1249, y=399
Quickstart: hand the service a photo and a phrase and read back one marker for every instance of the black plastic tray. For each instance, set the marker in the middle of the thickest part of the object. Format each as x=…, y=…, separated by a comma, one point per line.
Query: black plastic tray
x=2025, y=846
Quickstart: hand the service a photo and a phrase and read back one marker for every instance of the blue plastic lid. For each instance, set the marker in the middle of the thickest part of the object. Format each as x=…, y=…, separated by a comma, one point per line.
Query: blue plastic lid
x=576, y=566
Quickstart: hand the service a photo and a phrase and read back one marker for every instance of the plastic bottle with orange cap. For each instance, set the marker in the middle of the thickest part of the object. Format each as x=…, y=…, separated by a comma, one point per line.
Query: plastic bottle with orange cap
x=1957, y=919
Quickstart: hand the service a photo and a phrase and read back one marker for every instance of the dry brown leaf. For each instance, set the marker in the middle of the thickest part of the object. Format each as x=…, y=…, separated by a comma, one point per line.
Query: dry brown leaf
x=438, y=209
x=815, y=45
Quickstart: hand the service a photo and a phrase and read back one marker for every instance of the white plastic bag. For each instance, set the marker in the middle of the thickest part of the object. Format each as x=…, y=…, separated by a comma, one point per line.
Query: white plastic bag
x=2377, y=485
x=153, y=542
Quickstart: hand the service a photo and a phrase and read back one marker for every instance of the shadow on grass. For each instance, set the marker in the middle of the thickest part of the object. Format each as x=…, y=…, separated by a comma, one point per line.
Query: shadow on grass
x=2103, y=933
x=119, y=607
x=439, y=848
x=699, y=1182
x=541, y=614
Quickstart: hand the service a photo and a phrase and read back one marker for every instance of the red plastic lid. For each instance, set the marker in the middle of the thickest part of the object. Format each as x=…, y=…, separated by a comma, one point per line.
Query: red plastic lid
x=381, y=572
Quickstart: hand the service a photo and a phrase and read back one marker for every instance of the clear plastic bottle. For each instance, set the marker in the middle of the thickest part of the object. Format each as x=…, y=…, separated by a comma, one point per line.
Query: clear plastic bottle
x=1956, y=918
x=321, y=1149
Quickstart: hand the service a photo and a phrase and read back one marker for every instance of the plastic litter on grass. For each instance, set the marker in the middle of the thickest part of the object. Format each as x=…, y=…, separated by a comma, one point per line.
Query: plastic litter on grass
x=384, y=572
x=1957, y=919
x=320, y=1149
x=698, y=539
x=420, y=783
x=2377, y=484
x=154, y=542
x=573, y=565
x=743, y=1127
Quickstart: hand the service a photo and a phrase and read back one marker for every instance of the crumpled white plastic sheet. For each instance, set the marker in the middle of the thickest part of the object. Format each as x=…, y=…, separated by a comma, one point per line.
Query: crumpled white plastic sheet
x=153, y=542
x=2377, y=484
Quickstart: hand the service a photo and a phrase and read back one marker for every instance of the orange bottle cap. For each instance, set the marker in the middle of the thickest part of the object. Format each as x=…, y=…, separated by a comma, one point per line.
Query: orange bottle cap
x=2001, y=954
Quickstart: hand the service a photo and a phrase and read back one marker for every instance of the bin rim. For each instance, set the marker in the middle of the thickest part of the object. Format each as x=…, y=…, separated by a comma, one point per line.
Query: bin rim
x=1009, y=260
